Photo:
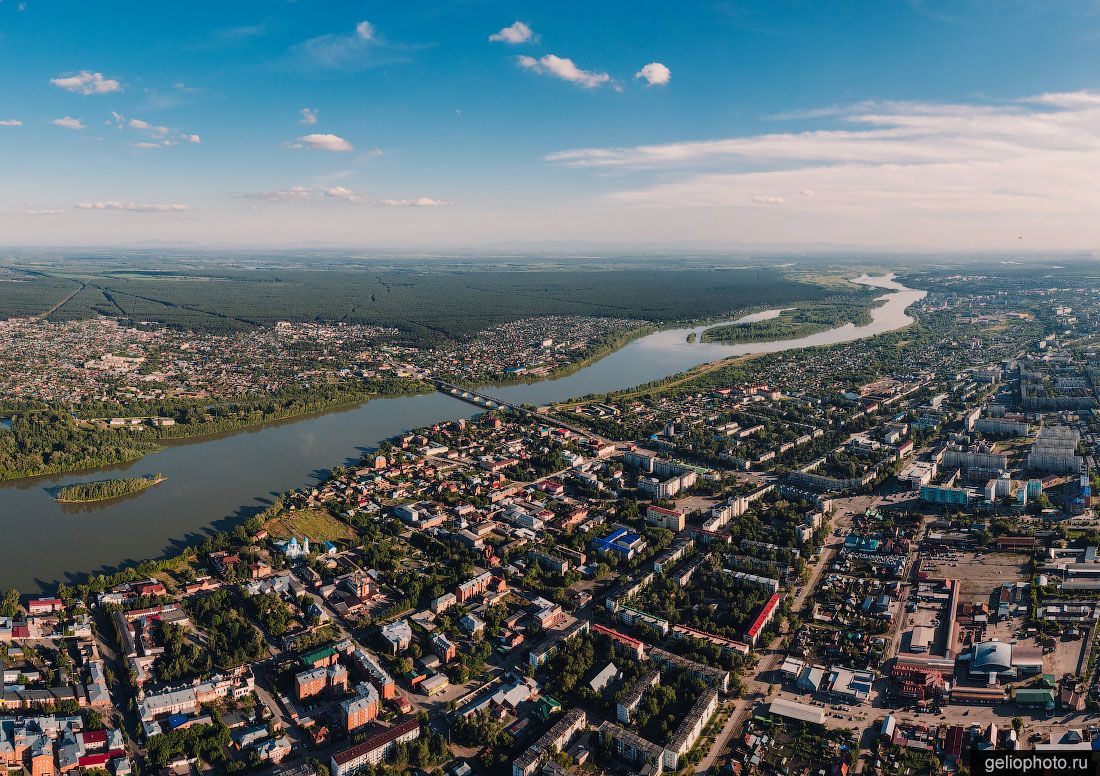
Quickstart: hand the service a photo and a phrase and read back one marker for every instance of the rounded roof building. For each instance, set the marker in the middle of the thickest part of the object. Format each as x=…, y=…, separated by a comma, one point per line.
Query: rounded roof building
x=992, y=656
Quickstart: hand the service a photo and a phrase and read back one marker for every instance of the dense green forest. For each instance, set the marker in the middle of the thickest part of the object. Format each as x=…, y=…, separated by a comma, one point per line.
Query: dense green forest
x=107, y=489
x=429, y=307
x=24, y=295
x=48, y=441
x=801, y=321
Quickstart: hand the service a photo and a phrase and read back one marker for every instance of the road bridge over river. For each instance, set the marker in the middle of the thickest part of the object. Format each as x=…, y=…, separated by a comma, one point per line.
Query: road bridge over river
x=542, y=414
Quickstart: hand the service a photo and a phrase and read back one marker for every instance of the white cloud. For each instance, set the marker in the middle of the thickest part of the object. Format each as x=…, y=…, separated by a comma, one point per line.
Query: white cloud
x=654, y=74
x=325, y=142
x=365, y=31
x=515, y=34
x=157, y=136
x=335, y=51
x=86, y=82
x=309, y=116
x=145, y=125
x=68, y=122
x=10, y=123
x=344, y=193
x=561, y=67
x=133, y=207
x=418, y=202
x=1080, y=99
x=918, y=172
x=337, y=194
x=891, y=132
x=292, y=194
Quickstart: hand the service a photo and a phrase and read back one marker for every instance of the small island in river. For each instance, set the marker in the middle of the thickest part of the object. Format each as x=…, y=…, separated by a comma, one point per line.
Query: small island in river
x=104, y=490
x=796, y=322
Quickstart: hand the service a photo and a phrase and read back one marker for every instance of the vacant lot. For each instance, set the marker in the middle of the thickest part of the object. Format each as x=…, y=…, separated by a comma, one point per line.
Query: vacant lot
x=978, y=577
x=313, y=524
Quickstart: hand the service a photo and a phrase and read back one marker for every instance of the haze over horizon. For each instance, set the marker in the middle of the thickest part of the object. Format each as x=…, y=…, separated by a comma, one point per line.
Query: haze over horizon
x=907, y=125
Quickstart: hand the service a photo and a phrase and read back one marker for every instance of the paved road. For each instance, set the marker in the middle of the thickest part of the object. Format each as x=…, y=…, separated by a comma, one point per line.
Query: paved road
x=757, y=687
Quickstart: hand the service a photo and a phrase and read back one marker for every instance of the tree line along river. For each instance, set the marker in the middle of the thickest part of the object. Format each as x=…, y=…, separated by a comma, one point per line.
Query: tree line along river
x=214, y=483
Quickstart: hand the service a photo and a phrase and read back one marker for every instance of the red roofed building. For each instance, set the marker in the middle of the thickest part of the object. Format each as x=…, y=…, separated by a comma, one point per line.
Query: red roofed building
x=99, y=760
x=45, y=606
x=917, y=683
x=767, y=613
x=150, y=587
x=635, y=647
x=94, y=739
x=374, y=749
x=671, y=519
x=553, y=487
x=953, y=743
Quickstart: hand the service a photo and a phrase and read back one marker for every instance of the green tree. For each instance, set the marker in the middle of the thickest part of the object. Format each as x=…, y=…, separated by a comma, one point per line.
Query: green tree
x=9, y=605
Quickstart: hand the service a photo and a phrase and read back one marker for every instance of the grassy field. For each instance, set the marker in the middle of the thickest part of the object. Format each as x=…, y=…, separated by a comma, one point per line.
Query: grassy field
x=315, y=524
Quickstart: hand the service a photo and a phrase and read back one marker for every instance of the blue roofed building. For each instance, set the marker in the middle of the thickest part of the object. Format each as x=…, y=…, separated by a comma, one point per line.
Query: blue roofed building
x=621, y=541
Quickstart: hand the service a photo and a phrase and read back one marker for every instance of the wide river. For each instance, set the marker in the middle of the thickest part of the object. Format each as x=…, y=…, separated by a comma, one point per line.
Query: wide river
x=217, y=482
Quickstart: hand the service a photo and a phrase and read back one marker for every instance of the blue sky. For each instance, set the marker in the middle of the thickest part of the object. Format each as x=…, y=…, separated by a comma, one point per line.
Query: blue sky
x=926, y=124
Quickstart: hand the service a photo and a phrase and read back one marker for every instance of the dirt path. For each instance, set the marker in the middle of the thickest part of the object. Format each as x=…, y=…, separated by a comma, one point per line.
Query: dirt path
x=60, y=304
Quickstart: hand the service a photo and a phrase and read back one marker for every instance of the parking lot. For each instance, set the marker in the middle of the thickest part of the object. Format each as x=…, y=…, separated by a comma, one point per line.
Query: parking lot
x=979, y=574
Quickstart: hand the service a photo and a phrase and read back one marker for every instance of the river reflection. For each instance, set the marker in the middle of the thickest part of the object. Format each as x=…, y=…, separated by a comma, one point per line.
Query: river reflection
x=217, y=482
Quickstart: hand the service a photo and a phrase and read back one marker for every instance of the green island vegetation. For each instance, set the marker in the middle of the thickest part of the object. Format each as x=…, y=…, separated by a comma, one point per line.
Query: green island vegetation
x=49, y=441
x=103, y=490
x=801, y=321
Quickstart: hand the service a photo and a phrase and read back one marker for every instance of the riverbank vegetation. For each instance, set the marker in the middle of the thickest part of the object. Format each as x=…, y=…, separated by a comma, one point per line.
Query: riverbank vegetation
x=52, y=442
x=103, y=490
x=49, y=441
x=801, y=321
